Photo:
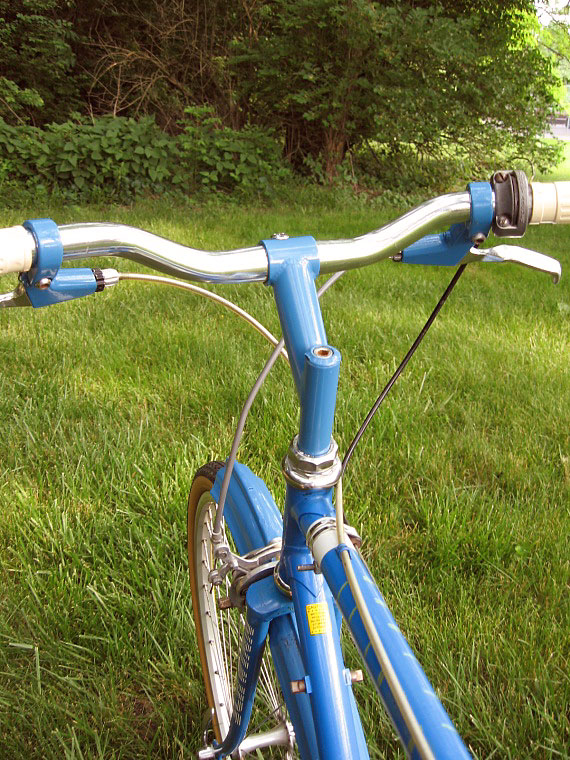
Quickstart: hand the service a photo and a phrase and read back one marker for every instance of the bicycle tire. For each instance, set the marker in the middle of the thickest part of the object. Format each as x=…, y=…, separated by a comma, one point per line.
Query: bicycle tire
x=218, y=632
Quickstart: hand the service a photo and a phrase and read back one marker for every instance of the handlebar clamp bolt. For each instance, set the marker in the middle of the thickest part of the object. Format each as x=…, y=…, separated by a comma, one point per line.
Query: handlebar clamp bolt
x=44, y=283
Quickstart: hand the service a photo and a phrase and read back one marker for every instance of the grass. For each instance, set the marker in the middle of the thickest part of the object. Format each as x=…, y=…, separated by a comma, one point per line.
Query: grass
x=461, y=488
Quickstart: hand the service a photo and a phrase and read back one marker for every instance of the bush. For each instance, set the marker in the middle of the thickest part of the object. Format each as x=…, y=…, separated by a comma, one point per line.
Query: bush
x=223, y=158
x=119, y=158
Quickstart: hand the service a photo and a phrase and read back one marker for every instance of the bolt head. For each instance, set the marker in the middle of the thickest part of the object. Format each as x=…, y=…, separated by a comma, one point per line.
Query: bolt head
x=44, y=283
x=478, y=238
x=503, y=221
x=280, y=236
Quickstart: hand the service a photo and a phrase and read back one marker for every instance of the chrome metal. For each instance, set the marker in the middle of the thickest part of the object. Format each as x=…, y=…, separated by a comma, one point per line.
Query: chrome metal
x=249, y=561
x=206, y=294
x=250, y=264
x=356, y=676
x=308, y=568
x=228, y=562
x=390, y=239
x=207, y=722
x=306, y=472
x=222, y=632
x=282, y=735
x=18, y=297
x=517, y=255
x=208, y=753
x=110, y=277
x=280, y=236
x=285, y=588
x=44, y=283
x=96, y=239
x=243, y=582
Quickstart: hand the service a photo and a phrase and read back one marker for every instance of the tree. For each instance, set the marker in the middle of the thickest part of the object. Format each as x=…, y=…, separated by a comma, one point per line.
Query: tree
x=332, y=73
x=157, y=56
x=36, y=58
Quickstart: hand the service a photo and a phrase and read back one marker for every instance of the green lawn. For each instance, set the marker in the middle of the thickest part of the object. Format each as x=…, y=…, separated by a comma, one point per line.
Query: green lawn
x=461, y=487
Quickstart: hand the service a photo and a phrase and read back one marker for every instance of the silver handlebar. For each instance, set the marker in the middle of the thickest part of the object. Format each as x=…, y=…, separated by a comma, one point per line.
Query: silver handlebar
x=250, y=264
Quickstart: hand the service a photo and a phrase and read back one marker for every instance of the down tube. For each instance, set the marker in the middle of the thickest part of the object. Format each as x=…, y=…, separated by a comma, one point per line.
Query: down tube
x=327, y=681
x=436, y=725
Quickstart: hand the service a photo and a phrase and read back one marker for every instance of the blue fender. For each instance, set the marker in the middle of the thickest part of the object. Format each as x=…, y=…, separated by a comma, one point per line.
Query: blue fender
x=250, y=512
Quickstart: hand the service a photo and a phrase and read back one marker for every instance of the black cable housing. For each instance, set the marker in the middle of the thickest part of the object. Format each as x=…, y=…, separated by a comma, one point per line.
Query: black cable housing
x=401, y=367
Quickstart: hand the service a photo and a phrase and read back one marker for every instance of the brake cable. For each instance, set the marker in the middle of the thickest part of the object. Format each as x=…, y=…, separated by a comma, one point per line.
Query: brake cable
x=402, y=366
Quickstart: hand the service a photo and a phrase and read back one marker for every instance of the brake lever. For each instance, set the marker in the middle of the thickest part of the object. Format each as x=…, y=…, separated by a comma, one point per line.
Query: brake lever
x=18, y=297
x=517, y=255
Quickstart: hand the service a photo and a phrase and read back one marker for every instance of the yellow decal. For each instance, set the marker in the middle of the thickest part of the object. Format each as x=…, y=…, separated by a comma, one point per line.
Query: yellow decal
x=318, y=617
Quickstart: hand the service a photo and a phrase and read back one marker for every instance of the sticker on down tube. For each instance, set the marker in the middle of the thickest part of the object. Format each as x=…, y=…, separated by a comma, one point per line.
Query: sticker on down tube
x=318, y=617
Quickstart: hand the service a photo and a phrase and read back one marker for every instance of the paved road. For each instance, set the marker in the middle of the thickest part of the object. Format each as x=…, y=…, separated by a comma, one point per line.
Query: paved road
x=559, y=131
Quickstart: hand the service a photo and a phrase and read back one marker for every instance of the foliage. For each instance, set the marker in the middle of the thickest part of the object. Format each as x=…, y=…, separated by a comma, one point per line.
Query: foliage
x=437, y=79
x=225, y=158
x=554, y=41
x=158, y=56
x=429, y=74
x=122, y=157
x=35, y=59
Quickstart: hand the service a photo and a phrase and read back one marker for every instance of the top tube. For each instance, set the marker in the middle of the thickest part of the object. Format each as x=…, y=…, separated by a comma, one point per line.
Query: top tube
x=250, y=264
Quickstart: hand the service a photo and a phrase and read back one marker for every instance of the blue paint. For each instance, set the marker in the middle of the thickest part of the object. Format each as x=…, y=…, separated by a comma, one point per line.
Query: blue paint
x=65, y=286
x=251, y=654
x=293, y=267
x=49, y=249
x=450, y=247
x=338, y=729
x=438, y=729
x=250, y=512
x=318, y=400
x=288, y=663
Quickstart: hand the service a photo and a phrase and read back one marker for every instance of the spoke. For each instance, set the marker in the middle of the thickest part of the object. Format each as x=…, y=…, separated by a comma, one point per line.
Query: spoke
x=223, y=631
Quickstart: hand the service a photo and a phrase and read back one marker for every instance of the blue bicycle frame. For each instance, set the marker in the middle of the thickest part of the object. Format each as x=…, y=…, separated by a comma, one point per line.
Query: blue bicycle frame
x=303, y=627
x=304, y=633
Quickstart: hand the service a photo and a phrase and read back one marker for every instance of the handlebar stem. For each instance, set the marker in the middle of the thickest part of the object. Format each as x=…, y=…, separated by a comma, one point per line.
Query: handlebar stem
x=293, y=267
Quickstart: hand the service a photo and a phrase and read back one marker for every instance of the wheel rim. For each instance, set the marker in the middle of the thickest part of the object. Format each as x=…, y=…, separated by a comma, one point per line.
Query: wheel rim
x=221, y=631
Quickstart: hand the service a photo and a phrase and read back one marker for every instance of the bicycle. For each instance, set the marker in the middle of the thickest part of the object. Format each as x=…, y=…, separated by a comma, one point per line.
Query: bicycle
x=256, y=575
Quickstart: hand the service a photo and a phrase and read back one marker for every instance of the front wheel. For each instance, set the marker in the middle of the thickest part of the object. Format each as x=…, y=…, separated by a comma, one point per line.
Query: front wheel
x=219, y=631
